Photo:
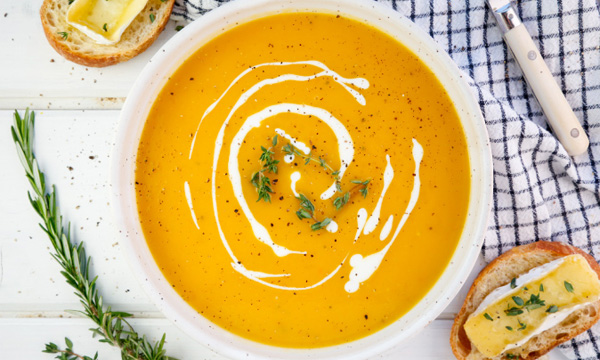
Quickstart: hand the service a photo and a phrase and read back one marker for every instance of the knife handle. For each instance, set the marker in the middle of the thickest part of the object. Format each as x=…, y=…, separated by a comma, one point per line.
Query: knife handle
x=560, y=116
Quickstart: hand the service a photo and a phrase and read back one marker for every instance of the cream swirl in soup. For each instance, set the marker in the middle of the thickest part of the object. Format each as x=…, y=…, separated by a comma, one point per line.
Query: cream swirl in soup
x=362, y=269
x=302, y=180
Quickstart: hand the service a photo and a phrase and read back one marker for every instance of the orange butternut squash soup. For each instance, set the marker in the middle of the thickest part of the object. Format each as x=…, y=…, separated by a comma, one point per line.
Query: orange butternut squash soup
x=302, y=180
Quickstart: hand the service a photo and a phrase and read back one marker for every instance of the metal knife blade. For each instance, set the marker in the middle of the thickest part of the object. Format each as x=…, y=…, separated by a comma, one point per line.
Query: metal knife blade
x=505, y=14
x=498, y=5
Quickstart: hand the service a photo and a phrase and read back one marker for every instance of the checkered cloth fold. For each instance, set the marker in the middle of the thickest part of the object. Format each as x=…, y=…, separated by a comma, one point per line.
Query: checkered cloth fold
x=540, y=193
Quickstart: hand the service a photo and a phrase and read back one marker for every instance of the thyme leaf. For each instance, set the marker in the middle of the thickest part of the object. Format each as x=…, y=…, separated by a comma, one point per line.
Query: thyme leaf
x=513, y=311
x=340, y=201
x=306, y=204
x=262, y=182
x=320, y=224
x=568, y=286
x=534, y=302
x=303, y=214
x=518, y=300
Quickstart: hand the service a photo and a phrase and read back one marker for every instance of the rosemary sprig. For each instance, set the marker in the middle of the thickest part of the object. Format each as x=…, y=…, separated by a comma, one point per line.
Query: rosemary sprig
x=68, y=353
x=112, y=326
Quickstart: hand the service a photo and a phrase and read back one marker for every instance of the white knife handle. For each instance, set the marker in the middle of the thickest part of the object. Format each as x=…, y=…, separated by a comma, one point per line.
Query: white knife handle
x=560, y=116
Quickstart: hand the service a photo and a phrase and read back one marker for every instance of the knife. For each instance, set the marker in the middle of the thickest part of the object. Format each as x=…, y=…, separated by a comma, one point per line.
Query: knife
x=557, y=110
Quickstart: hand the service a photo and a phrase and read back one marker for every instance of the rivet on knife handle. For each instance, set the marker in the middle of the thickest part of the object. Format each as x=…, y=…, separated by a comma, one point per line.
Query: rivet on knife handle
x=560, y=116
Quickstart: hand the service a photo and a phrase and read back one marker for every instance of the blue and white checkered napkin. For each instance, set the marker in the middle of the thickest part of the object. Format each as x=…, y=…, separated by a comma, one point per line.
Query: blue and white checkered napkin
x=539, y=191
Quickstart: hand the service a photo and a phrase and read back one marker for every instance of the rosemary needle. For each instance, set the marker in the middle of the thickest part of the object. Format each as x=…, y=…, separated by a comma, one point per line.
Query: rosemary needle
x=112, y=326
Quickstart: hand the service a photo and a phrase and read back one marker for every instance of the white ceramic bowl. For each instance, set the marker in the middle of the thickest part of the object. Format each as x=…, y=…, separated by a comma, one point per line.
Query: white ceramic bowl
x=184, y=44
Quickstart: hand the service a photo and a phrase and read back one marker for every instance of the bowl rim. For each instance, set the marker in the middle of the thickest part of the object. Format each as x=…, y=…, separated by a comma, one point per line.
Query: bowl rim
x=183, y=45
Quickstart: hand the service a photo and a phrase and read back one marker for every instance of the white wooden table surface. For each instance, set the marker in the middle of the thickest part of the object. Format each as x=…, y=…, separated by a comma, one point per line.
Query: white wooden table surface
x=77, y=114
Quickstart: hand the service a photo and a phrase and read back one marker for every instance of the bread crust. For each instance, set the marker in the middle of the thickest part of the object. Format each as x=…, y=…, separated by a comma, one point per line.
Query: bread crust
x=500, y=272
x=105, y=58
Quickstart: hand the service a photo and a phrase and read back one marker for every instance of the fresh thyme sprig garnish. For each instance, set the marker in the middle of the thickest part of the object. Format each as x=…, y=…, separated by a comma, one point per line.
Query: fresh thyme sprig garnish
x=112, y=326
x=262, y=182
x=307, y=211
x=320, y=224
x=63, y=34
x=289, y=149
x=339, y=201
x=361, y=186
x=269, y=165
x=534, y=302
x=364, y=189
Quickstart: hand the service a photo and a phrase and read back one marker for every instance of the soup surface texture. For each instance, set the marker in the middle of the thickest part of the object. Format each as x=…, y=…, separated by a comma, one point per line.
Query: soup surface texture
x=356, y=126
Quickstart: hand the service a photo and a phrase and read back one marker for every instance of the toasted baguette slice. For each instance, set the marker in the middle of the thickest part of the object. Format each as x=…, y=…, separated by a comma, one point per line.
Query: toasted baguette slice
x=501, y=271
x=79, y=48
